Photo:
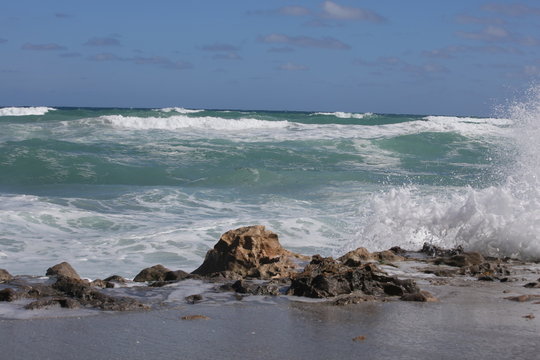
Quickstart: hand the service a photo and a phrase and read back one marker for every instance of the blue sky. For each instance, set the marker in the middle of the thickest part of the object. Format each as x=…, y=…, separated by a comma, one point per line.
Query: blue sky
x=460, y=57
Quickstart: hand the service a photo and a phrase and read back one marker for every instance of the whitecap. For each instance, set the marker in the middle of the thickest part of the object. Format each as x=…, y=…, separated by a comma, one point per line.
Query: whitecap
x=25, y=111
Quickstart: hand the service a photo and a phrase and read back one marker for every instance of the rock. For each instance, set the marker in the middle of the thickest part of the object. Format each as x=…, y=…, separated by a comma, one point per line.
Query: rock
x=326, y=277
x=523, y=298
x=195, y=317
x=356, y=257
x=250, y=251
x=359, y=338
x=432, y=250
x=387, y=256
x=176, y=275
x=116, y=278
x=421, y=296
x=5, y=276
x=529, y=316
x=349, y=299
x=246, y=287
x=462, y=260
x=154, y=273
x=45, y=303
x=88, y=296
x=193, y=299
x=441, y=272
x=532, y=285
x=63, y=269
x=8, y=295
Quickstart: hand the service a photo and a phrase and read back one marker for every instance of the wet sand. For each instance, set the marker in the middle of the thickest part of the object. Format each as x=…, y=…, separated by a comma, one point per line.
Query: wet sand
x=471, y=320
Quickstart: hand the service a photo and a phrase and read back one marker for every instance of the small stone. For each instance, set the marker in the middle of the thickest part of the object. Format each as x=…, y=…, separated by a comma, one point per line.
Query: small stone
x=8, y=295
x=116, y=278
x=359, y=338
x=421, y=296
x=193, y=299
x=532, y=285
x=63, y=269
x=176, y=275
x=5, y=276
x=154, y=273
x=529, y=316
x=195, y=317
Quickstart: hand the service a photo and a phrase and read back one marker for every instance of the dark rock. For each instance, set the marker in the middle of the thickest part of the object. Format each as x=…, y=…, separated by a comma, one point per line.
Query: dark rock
x=387, y=256
x=116, y=278
x=421, y=296
x=532, y=285
x=462, y=260
x=88, y=296
x=193, y=299
x=5, y=276
x=350, y=299
x=486, y=278
x=249, y=251
x=8, y=295
x=325, y=277
x=102, y=284
x=195, y=317
x=356, y=257
x=63, y=269
x=176, y=275
x=154, y=273
x=441, y=272
x=433, y=251
x=247, y=287
x=45, y=303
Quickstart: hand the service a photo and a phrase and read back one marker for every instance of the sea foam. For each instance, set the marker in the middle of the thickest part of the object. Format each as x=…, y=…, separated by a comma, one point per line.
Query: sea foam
x=25, y=111
x=183, y=122
x=345, y=115
x=179, y=110
x=501, y=220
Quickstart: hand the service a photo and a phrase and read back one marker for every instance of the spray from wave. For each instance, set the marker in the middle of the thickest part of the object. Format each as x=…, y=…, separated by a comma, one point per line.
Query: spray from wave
x=502, y=220
x=25, y=111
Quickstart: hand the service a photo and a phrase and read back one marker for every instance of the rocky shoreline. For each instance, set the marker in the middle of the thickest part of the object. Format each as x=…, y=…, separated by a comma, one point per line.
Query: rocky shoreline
x=250, y=261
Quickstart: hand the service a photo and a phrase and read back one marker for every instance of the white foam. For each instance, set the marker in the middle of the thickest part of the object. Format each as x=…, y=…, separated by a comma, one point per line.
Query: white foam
x=25, y=111
x=345, y=115
x=184, y=122
x=499, y=220
x=180, y=110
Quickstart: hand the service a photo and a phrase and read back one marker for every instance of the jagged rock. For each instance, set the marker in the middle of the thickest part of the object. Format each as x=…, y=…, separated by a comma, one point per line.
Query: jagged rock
x=193, y=299
x=462, y=260
x=356, y=257
x=116, y=278
x=63, y=269
x=250, y=251
x=44, y=303
x=176, y=275
x=326, y=277
x=387, y=256
x=433, y=251
x=102, y=284
x=86, y=295
x=8, y=295
x=154, y=273
x=246, y=287
x=421, y=296
x=5, y=276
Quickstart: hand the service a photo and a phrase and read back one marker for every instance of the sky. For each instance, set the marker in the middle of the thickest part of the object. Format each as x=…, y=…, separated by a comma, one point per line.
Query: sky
x=459, y=57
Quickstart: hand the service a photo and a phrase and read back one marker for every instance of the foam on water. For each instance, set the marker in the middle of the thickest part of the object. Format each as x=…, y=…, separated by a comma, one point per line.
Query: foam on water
x=180, y=110
x=344, y=115
x=25, y=111
x=501, y=220
x=183, y=122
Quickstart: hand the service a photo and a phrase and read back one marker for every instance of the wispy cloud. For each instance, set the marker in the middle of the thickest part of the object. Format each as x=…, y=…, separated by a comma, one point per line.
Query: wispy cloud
x=61, y=15
x=227, y=56
x=102, y=41
x=449, y=52
x=392, y=63
x=333, y=10
x=284, y=49
x=469, y=19
x=292, y=67
x=218, y=47
x=2, y=41
x=71, y=55
x=159, y=61
x=515, y=9
x=304, y=41
x=489, y=33
x=43, y=47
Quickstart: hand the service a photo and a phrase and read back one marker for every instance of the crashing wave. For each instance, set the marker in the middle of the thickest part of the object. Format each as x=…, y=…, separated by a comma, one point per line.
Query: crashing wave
x=25, y=111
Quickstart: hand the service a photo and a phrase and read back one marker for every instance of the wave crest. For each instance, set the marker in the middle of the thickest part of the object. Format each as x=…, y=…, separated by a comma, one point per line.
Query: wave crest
x=25, y=111
x=179, y=110
x=345, y=115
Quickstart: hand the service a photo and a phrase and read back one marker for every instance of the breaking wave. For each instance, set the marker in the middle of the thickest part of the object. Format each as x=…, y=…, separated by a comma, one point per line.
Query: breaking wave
x=25, y=111
x=344, y=115
x=179, y=110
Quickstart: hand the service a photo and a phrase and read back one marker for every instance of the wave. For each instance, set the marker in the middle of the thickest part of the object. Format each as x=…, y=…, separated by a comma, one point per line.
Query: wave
x=179, y=110
x=25, y=111
x=183, y=122
x=345, y=115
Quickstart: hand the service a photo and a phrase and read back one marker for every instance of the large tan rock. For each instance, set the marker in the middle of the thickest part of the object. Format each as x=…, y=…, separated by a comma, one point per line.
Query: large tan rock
x=63, y=269
x=250, y=251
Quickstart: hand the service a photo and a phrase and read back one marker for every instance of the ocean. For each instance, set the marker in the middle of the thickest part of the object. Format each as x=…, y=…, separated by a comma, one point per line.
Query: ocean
x=115, y=190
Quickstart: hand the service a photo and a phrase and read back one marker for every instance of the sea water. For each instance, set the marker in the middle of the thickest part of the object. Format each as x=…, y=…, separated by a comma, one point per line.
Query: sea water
x=117, y=190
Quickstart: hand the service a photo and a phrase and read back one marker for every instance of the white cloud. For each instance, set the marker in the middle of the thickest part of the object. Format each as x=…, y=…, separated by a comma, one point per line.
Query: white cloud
x=102, y=41
x=292, y=67
x=335, y=11
x=304, y=41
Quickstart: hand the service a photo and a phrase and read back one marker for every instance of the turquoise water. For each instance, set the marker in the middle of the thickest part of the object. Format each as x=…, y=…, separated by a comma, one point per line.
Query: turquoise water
x=115, y=190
